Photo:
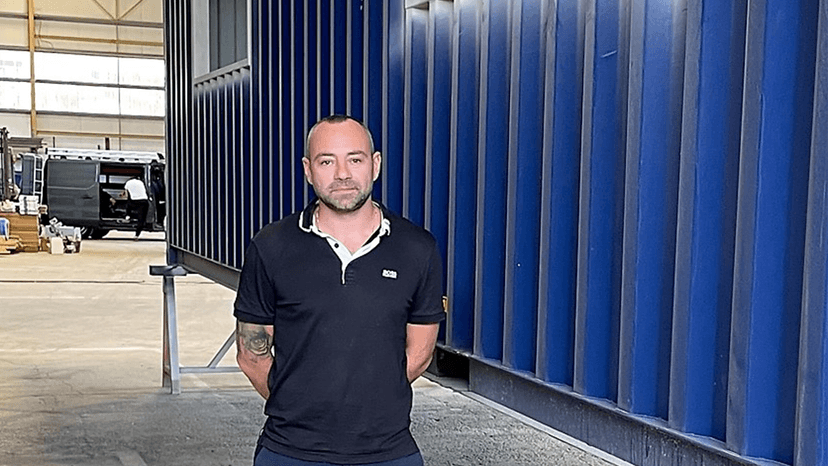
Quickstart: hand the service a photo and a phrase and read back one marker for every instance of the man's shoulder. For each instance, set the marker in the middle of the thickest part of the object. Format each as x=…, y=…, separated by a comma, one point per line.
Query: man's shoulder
x=409, y=232
x=278, y=231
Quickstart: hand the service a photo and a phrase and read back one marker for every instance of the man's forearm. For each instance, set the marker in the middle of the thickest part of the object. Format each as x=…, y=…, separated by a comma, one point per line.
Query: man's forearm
x=257, y=373
x=417, y=366
x=419, y=348
x=253, y=345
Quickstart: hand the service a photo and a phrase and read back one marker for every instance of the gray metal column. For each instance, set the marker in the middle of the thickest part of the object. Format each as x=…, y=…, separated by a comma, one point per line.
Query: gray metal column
x=170, y=375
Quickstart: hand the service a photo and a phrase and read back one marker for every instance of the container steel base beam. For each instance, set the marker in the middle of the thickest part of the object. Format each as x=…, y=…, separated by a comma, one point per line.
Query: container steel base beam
x=640, y=440
x=171, y=370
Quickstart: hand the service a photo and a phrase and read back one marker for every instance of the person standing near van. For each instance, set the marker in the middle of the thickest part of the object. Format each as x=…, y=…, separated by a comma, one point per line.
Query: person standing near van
x=137, y=203
x=159, y=196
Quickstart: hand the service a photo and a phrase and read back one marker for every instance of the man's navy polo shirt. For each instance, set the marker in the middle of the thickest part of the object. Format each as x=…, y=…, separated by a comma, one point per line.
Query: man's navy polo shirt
x=339, y=392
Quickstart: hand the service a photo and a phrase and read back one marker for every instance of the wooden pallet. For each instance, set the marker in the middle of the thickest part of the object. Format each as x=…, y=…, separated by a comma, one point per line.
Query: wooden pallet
x=25, y=228
x=8, y=246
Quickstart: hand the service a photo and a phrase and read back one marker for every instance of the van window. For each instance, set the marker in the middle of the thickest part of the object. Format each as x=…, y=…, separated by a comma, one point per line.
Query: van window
x=73, y=174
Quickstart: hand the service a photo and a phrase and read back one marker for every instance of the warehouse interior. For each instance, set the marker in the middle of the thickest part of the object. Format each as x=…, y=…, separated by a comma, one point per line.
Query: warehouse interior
x=83, y=73
x=629, y=196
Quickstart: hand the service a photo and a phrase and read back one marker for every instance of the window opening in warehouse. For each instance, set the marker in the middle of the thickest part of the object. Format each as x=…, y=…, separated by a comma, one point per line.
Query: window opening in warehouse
x=228, y=32
x=83, y=74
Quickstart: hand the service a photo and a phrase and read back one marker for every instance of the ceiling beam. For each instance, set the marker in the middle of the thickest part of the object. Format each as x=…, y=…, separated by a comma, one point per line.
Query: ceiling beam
x=96, y=134
x=79, y=20
x=98, y=40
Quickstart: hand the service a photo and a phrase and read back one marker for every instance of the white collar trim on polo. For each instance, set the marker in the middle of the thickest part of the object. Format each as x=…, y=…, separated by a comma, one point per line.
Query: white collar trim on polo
x=342, y=252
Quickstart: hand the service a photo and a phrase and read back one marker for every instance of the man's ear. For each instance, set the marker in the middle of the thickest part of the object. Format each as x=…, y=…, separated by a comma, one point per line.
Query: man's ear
x=376, y=160
x=306, y=168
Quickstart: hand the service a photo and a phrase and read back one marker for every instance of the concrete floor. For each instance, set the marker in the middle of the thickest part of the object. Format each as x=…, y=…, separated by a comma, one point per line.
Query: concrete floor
x=80, y=371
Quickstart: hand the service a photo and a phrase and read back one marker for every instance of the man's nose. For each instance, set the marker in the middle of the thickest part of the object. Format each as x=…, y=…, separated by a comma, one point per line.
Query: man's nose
x=342, y=171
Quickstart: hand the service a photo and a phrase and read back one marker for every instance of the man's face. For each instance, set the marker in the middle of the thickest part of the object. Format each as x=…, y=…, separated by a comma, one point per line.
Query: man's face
x=340, y=166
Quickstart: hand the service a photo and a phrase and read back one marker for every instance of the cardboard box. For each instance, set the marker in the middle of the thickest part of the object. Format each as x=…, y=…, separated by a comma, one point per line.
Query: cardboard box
x=55, y=245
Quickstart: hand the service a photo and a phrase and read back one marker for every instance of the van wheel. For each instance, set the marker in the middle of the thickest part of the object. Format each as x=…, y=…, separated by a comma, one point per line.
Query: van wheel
x=98, y=233
x=86, y=232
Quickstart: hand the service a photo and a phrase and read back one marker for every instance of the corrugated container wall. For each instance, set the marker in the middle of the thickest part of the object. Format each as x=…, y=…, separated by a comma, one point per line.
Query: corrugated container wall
x=631, y=196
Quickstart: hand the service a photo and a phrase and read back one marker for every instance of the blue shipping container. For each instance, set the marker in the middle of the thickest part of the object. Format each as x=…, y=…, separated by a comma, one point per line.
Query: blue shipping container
x=631, y=196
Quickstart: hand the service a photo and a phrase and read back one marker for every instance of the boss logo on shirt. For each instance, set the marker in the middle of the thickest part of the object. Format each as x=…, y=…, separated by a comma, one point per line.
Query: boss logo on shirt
x=389, y=273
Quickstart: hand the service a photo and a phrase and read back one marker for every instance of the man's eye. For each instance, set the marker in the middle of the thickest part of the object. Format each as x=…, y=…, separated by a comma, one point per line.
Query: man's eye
x=324, y=162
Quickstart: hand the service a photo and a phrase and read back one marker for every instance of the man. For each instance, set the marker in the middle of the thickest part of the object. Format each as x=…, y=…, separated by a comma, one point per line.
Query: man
x=137, y=203
x=338, y=309
x=159, y=195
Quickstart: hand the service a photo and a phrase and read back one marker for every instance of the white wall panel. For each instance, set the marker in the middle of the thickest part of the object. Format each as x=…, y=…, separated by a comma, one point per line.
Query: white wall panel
x=14, y=64
x=76, y=8
x=15, y=6
x=18, y=124
x=13, y=32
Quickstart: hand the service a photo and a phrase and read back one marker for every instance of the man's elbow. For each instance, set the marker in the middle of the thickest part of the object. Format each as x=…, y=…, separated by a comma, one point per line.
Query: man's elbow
x=417, y=369
x=424, y=365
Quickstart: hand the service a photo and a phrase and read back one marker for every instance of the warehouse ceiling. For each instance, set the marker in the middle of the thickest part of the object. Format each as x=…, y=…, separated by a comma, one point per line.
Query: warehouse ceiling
x=83, y=73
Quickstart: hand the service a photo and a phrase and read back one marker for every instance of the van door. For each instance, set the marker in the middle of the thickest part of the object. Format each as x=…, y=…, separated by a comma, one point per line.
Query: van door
x=72, y=191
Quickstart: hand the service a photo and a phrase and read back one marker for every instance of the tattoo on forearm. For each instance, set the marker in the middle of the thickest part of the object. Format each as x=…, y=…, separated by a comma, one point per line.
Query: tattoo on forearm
x=253, y=338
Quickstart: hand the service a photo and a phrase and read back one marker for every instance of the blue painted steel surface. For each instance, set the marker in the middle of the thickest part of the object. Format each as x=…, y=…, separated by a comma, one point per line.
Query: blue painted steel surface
x=523, y=190
x=603, y=137
x=460, y=262
x=653, y=144
x=620, y=190
x=311, y=69
x=257, y=183
x=564, y=29
x=296, y=84
x=247, y=201
x=210, y=174
x=324, y=41
x=270, y=97
x=812, y=396
x=373, y=90
x=393, y=134
x=259, y=61
x=224, y=155
x=490, y=235
x=812, y=403
x=340, y=44
x=770, y=228
x=416, y=106
x=354, y=90
x=707, y=216
x=438, y=123
x=284, y=109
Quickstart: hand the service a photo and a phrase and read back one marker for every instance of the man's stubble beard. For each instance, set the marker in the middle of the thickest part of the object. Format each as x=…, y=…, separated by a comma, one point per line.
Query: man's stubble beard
x=352, y=206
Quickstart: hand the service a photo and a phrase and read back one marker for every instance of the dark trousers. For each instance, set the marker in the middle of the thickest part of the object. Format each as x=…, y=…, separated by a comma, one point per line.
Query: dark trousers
x=265, y=457
x=138, y=210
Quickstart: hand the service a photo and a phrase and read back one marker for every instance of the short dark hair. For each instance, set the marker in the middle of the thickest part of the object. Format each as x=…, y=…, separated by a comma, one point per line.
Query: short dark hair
x=338, y=118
